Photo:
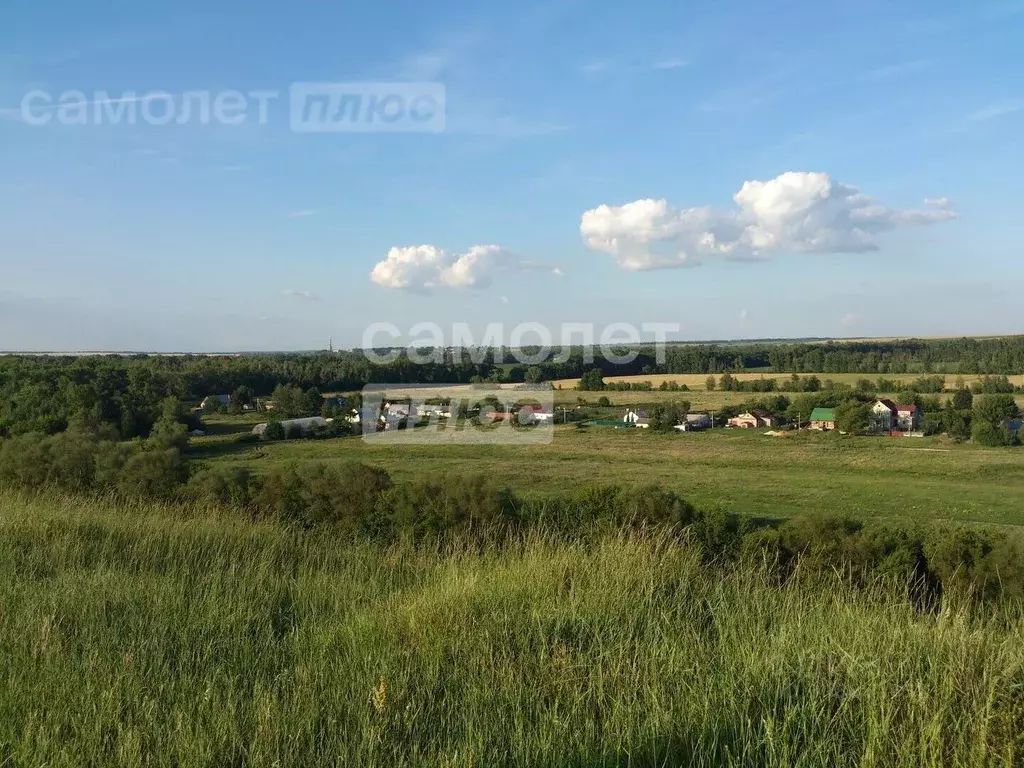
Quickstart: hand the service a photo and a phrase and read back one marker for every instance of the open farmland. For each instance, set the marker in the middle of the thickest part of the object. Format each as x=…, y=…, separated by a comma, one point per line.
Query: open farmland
x=698, y=380
x=736, y=470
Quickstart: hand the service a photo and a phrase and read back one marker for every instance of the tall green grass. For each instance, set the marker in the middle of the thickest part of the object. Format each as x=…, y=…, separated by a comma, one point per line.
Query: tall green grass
x=136, y=635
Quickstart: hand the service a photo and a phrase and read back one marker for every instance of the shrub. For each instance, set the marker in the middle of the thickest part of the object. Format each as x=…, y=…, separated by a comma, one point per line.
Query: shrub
x=154, y=474
x=989, y=434
x=228, y=485
x=461, y=505
x=990, y=564
x=313, y=495
x=274, y=431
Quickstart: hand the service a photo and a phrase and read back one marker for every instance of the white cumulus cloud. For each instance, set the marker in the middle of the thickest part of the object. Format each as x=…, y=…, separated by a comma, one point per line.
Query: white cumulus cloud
x=426, y=267
x=796, y=212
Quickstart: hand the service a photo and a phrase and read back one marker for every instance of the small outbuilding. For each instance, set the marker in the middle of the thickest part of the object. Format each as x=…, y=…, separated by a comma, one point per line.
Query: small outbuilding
x=823, y=419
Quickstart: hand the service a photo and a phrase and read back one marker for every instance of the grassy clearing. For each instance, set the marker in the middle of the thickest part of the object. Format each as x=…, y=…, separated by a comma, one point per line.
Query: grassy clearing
x=134, y=636
x=736, y=470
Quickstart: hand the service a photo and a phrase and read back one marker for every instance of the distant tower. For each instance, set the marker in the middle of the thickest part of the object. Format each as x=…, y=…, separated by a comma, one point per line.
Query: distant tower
x=330, y=346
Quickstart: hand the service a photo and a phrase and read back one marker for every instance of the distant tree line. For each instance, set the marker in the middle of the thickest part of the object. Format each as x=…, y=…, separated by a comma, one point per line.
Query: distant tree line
x=45, y=394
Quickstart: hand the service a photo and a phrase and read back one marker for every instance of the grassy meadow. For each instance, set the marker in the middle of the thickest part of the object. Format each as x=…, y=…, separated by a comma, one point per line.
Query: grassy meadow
x=137, y=635
x=735, y=470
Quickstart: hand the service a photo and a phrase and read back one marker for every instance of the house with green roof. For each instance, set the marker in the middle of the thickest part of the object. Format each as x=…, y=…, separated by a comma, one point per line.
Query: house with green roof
x=823, y=419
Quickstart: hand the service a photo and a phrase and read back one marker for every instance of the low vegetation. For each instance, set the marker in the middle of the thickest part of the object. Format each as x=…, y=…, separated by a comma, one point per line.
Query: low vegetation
x=137, y=635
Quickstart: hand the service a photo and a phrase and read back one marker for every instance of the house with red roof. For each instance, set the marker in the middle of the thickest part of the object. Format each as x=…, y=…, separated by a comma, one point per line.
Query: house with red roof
x=908, y=417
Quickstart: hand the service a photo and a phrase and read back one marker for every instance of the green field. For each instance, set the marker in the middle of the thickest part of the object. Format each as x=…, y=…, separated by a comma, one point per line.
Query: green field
x=736, y=470
x=140, y=636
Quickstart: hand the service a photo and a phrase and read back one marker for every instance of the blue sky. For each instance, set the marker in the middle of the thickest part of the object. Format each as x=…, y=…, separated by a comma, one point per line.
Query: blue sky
x=560, y=114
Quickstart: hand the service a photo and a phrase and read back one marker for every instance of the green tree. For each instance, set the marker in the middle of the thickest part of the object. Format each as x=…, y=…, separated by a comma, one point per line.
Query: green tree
x=290, y=402
x=995, y=409
x=956, y=422
x=987, y=433
x=852, y=416
x=274, y=431
x=592, y=381
x=709, y=383
x=664, y=418
x=212, y=405
x=241, y=397
x=963, y=399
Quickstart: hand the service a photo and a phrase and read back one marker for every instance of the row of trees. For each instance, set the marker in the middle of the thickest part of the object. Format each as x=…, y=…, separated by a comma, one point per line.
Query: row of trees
x=46, y=393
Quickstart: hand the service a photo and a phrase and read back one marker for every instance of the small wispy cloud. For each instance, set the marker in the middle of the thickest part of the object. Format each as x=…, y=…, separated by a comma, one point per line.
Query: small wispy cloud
x=848, y=320
x=898, y=69
x=995, y=111
x=302, y=214
x=670, y=64
x=300, y=295
x=614, y=67
x=596, y=67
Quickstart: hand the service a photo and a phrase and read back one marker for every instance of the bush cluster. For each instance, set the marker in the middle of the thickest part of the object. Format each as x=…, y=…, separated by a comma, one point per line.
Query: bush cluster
x=81, y=461
x=362, y=502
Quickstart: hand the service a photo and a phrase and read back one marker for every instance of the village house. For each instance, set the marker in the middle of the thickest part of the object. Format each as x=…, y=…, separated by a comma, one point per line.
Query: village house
x=908, y=417
x=637, y=418
x=222, y=400
x=823, y=419
x=755, y=419
x=883, y=415
x=694, y=422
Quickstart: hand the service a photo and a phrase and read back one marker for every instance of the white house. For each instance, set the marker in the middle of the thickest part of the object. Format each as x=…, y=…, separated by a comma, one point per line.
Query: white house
x=883, y=415
x=694, y=422
x=637, y=418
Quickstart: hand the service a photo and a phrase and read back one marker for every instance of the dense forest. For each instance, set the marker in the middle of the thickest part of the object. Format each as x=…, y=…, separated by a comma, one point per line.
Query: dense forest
x=45, y=394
